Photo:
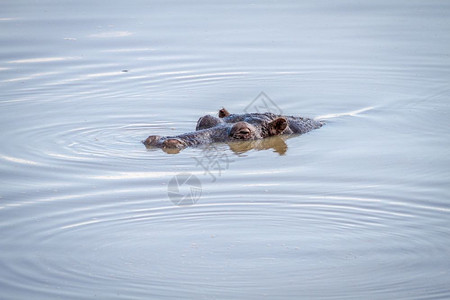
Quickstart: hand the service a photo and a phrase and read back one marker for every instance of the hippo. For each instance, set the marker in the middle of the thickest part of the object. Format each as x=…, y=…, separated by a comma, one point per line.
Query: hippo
x=296, y=125
x=234, y=127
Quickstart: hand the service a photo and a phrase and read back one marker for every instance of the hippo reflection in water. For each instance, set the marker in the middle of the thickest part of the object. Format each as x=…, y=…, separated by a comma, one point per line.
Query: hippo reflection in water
x=251, y=128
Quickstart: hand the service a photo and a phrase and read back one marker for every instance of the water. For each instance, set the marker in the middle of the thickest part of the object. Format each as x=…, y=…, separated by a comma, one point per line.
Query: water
x=355, y=210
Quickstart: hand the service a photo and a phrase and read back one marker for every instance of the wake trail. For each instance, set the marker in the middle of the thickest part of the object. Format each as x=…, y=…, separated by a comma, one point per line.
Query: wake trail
x=350, y=113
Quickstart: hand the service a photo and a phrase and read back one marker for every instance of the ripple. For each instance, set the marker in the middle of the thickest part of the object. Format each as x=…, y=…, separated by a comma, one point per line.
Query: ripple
x=43, y=60
x=124, y=238
x=19, y=160
x=111, y=34
x=71, y=142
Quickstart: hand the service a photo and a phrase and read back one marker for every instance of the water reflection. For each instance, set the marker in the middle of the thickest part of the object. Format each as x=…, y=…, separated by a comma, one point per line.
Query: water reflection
x=276, y=143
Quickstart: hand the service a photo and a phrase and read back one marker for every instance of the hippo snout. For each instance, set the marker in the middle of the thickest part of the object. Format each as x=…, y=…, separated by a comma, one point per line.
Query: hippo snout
x=152, y=140
x=174, y=143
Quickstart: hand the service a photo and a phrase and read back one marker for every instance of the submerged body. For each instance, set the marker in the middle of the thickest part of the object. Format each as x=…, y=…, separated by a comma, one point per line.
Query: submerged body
x=235, y=127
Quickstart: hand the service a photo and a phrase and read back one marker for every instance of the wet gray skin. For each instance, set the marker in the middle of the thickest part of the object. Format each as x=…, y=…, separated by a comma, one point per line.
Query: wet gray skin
x=234, y=127
x=298, y=125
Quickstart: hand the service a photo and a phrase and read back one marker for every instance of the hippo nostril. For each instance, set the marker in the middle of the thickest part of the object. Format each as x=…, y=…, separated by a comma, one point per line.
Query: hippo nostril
x=244, y=131
x=173, y=143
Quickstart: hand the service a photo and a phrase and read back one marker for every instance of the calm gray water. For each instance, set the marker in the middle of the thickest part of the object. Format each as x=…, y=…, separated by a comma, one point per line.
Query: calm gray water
x=358, y=209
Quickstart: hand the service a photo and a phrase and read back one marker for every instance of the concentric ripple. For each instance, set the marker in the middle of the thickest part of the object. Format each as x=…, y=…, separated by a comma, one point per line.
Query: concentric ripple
x=355, y=210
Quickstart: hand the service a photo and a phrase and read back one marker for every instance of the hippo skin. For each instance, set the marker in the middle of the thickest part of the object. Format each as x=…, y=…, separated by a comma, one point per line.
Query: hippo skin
x=235, y=127
x=296, y=125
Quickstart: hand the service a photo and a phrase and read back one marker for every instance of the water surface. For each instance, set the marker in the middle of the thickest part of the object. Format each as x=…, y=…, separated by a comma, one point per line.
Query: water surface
x=357, y=209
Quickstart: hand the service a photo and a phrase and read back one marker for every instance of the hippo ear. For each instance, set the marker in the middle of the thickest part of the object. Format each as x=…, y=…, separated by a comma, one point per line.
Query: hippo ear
x=277, y=126
x=223, y=113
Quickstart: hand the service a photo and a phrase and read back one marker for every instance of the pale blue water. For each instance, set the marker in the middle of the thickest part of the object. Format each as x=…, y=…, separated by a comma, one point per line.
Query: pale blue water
x=358, y=209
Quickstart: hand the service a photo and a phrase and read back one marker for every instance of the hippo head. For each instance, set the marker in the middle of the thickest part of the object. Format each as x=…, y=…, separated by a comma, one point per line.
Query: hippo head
x=225, y=128
x=257, y=129
x=249, y=127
